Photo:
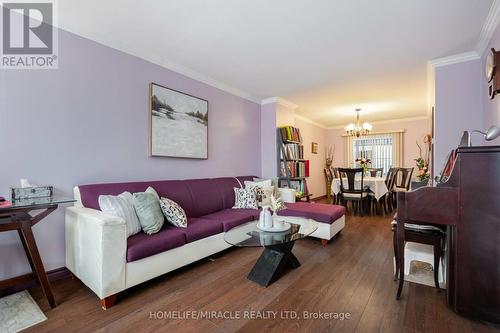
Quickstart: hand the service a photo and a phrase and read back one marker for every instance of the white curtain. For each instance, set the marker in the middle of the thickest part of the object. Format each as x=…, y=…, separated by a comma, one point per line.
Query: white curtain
x=348, y=152
x=375, y=142
x=397, y=149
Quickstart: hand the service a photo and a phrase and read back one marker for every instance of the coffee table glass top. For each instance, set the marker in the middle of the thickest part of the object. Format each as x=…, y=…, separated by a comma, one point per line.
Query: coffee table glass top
x=249, y=235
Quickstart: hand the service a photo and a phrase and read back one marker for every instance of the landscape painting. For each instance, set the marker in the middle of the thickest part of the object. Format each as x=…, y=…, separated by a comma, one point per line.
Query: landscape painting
x=178, y=124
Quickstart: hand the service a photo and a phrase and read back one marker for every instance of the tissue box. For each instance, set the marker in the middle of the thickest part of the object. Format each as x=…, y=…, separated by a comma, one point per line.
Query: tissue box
x=18, y=193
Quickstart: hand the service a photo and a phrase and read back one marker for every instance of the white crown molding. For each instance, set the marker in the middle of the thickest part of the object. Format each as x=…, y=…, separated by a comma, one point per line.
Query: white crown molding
x=388, y=121
x=312, y=122
x=280, y=101
x=165, y=63
x=487, y=31
x=489, y=27
x=454, y=59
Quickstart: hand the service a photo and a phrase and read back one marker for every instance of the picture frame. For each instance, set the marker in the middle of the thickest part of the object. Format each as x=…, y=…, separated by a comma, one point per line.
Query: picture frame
x=177, y=124
x=314, y=147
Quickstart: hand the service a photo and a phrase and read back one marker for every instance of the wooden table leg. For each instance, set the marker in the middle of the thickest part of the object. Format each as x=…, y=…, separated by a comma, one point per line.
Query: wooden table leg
x=34, y=256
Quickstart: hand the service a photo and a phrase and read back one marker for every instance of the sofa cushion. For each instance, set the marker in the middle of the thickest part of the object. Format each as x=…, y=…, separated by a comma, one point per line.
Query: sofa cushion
x=205, y=195
x=198, y=228
x=141, y=245
x=231, y=218
x=319, y=212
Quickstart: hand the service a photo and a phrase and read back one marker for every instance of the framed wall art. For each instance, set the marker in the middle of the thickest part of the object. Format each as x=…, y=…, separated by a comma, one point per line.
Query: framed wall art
x=178, y=124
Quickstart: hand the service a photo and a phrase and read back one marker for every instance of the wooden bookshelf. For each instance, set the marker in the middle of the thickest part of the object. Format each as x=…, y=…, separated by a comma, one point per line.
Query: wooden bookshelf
x=293, y=169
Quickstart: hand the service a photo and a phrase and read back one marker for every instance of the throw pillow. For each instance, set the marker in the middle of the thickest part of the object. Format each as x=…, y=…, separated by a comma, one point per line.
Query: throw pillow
x=245, y=198
x=264, y=191
x=274, y=183
x=149, y=212
x=153, y=192
x=173, y=212
x=121, y=205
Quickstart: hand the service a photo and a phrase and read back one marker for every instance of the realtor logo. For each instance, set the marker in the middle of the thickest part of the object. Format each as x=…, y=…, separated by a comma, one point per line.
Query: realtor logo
x=29, y=39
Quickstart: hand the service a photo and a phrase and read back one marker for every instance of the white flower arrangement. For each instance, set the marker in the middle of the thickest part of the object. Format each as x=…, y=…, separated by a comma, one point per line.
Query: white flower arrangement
x=276, y=204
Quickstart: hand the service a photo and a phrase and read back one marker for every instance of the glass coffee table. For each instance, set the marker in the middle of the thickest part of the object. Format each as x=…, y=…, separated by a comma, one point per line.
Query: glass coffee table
x=278, y=246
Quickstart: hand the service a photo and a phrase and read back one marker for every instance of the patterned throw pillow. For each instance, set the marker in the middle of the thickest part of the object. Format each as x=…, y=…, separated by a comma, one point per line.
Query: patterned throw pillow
x=245, y=198
x=264, y=191
x=173, y=212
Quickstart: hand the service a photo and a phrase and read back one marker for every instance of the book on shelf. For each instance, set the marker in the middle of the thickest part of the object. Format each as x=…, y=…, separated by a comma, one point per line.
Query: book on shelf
x=290, y=133
x=297, y=169
x=293, y=151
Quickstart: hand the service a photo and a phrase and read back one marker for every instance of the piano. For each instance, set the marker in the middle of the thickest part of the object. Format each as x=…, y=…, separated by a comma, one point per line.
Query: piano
x=466, y=199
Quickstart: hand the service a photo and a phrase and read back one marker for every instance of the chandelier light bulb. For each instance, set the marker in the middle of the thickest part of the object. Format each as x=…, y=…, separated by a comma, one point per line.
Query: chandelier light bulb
x=358, y=130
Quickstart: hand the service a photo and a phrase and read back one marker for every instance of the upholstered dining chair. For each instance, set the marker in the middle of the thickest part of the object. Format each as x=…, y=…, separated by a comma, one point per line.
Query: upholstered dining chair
x=357, y=195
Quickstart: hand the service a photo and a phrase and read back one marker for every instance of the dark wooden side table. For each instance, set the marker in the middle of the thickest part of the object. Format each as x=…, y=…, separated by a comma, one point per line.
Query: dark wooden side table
x=18, y=217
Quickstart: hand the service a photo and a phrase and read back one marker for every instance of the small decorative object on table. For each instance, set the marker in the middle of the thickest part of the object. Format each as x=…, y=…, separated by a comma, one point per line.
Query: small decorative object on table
x=363, y=161
x=265, y=219
x=19, y=193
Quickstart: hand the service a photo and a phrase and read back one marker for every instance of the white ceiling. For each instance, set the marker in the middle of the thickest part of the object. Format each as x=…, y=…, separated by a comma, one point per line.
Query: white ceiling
x=328, y=57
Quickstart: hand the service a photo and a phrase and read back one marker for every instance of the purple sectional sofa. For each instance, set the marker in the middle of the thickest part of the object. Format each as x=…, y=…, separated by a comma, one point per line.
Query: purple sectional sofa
x=124, y=262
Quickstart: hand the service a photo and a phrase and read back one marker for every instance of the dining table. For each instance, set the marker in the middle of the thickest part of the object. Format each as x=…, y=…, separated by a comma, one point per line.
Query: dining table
x=375, y=184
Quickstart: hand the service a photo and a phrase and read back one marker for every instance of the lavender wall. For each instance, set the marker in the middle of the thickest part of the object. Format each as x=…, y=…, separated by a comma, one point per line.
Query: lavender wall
x=458, y=105
x=87, y=122
x=268, y=141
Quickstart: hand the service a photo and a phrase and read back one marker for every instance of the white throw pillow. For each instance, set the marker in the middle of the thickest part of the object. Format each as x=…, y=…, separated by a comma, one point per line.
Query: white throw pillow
x=245, y=198
x=173, y=212
x=123, y=206
x=264, y=191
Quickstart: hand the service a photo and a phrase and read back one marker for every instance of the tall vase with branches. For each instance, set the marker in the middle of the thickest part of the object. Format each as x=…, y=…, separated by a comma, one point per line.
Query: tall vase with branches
x=329, y=153
x=422, y=162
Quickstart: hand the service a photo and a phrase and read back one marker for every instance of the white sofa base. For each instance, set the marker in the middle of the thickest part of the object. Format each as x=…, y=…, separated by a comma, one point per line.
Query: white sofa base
x=142, y=270
x=96, y=251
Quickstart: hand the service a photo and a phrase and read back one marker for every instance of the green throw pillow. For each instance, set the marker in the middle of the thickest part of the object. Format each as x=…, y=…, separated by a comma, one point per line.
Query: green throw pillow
x=149, y=212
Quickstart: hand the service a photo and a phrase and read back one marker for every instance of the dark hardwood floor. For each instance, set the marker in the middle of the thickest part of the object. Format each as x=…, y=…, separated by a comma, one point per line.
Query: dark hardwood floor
x=353, y=274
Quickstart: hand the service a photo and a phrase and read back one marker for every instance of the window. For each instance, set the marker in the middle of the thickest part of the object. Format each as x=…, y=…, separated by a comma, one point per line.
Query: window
x=378, y=148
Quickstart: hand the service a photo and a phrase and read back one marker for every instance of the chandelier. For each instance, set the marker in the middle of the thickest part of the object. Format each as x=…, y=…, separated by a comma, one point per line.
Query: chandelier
x=358, y=130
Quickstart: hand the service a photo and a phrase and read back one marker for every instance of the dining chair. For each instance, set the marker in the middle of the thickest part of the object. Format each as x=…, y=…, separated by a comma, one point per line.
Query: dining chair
x=335, y=172
x=357, y=195
x=383, y=204
x=376, y=172
x=402, y=182
x=335, y=177
x=390, y=181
